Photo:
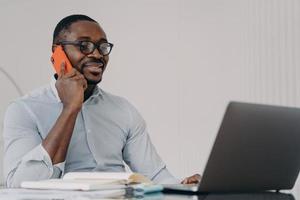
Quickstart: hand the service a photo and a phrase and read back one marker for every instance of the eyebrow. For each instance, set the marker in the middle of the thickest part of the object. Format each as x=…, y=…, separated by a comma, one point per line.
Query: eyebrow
x=88, y=38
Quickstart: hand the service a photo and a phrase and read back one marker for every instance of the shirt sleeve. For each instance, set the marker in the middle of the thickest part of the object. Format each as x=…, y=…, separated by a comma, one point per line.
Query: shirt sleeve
x=165, y=177
x=139, y=153
x=25, y=159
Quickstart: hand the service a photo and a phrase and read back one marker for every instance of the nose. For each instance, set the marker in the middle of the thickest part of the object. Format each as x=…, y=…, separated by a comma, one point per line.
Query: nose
x=96, y=54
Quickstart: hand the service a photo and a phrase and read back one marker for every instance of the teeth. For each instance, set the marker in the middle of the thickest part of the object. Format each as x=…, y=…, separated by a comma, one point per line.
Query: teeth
x=96, y=64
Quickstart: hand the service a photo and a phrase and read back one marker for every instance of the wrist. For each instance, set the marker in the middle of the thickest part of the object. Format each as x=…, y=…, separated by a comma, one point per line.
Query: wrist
x=71, y=109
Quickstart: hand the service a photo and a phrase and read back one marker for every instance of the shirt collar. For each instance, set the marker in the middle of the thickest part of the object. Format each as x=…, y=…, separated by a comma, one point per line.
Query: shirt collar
x=97, y=91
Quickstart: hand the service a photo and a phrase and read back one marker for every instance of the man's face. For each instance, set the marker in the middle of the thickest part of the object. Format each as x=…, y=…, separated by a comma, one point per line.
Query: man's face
x=92, y=65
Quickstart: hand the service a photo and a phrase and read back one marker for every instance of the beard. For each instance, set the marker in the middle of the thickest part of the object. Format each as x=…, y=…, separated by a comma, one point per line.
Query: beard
x=92, y=82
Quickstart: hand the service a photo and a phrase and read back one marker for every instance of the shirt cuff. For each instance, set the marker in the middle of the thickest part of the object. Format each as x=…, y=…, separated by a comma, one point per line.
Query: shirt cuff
x=40, y=154
x=61, y=167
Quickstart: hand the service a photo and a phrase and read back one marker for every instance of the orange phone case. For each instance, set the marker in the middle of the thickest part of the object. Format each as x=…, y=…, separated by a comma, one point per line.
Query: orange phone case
x=58, y=57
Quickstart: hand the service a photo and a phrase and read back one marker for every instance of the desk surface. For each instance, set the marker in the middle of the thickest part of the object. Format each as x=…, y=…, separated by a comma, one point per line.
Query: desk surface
x=20, y=194
x=250, y=196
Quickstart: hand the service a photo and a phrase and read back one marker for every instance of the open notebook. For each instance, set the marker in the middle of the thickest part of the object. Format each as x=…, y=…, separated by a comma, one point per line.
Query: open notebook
x=88, y=181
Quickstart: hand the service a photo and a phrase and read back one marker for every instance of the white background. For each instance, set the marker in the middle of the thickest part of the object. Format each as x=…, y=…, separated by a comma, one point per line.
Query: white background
x=178, y=61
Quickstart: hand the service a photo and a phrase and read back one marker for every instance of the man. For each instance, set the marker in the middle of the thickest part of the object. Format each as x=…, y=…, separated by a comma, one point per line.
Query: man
x=72, y=124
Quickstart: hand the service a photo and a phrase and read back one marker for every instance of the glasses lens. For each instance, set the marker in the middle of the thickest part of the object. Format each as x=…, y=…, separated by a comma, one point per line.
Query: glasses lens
x=105, y=48
x=87, y=47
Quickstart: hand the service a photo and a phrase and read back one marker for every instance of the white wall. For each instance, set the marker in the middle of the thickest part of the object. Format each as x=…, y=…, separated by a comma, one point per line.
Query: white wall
x=178, y=61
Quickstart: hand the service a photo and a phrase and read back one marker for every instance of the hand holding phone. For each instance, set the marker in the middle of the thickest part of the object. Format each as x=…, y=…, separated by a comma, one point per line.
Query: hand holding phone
x=58, y=57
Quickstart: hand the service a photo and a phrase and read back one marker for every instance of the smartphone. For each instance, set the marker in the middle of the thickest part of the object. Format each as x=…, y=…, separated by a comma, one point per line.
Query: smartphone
x=58, y=57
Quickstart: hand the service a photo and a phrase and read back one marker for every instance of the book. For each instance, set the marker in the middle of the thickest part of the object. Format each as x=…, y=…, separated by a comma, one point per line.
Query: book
x=124, y=177
x=88, y=181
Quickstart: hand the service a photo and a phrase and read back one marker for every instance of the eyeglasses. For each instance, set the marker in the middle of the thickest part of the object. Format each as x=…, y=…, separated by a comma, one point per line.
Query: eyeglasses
x=88, y=47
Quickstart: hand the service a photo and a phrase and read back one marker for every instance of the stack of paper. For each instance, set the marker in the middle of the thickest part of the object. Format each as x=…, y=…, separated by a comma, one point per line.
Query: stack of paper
x=88, y=181
x=87, y=184
x=37, y=194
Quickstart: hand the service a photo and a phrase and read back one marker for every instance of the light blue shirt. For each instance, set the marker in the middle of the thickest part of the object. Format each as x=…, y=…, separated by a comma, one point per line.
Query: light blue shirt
x=107, y=132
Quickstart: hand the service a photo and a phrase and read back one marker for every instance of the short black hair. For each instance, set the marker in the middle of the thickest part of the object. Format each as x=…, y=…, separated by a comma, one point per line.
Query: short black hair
x=66, y=22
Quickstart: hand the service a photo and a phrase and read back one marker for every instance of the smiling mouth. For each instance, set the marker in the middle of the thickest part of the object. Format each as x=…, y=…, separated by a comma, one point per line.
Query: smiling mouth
x=94, y=68
x=94, y=64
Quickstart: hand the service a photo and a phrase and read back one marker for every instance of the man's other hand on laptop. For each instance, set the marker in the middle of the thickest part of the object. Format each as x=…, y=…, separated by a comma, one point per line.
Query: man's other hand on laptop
x=192, y=179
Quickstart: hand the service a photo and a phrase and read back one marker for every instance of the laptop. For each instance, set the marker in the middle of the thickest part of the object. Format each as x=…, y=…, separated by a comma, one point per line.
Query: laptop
x=256, y=149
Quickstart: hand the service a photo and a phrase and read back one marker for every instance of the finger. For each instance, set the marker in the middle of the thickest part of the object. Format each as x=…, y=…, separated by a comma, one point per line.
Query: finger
x=62, y=69
x=193, y=180
x=184, y=181
x=71, y=74
x=78, y=77
x=85, y=85
x=74, y=72
x=84, y=82
x=77, y=72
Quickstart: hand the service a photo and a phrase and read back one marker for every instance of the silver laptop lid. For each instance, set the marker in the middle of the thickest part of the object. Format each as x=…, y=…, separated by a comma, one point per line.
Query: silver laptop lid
x=257, y=148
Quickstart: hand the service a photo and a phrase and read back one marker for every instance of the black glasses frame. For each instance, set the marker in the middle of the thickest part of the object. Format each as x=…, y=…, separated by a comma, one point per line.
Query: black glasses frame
x=79, y=43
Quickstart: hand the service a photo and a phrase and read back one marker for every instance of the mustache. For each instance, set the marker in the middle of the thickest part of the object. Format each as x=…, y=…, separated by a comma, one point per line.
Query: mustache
x=84, y=65
x=102, y=61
